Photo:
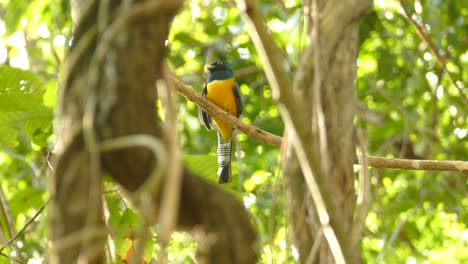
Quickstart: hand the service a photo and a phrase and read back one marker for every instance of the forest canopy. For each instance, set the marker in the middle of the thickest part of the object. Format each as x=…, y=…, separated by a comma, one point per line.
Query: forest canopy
x=411, y=103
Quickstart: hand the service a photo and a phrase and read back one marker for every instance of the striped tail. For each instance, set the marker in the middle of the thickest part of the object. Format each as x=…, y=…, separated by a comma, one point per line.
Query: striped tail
x=224, y=159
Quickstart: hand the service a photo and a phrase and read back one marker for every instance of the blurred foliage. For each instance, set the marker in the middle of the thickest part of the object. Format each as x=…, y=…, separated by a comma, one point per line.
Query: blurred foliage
x=414, y=216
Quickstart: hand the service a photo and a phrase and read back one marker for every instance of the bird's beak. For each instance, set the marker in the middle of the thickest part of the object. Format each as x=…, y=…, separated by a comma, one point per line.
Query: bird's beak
x=210, y=67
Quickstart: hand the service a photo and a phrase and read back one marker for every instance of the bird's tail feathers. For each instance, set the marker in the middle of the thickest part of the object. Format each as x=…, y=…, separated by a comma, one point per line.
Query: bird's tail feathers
x=224, y=159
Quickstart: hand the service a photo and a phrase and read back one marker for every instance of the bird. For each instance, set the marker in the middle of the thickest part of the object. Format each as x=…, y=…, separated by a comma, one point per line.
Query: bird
x=222, y=89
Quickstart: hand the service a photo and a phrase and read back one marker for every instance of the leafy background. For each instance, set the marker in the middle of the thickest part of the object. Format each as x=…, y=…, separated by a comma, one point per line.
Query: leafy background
x=415, y=217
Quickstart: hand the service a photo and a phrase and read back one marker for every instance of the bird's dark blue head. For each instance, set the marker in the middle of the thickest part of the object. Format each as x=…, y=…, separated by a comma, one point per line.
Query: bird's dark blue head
x=219, y=70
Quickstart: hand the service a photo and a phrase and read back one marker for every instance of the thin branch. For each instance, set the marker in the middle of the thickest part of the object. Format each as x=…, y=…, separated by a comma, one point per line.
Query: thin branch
x=216, y=111
x=275, y=141
x=12, y=258
x=396, y=232
x=422, y=33
x=320, y=201
x=6, y=212
x=31, y=164
x=315, y=247
x=412, y=164
x=30, y=221
x=275, y=66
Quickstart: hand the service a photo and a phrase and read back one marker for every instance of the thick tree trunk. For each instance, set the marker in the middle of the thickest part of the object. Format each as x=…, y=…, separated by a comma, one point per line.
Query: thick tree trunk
x=335, y=68
x=108, y=91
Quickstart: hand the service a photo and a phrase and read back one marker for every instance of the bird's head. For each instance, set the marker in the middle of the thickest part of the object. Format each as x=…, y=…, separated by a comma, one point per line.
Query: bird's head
x=219, y=70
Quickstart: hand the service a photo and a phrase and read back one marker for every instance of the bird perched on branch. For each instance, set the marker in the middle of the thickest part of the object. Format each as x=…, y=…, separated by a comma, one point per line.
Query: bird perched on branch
x=221, y=88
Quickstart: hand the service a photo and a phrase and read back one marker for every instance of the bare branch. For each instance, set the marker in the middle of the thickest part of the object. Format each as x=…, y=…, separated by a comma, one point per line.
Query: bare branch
x=270, y=54
x=422, y=33
x=24, y=227
x=12, y=259
x=217, y=112
x=10, y=227
x=411, y=164
x=276, y=141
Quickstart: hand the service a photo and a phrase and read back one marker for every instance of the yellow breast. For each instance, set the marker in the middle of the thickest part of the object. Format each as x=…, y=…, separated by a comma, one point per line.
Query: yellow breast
x=221, y=93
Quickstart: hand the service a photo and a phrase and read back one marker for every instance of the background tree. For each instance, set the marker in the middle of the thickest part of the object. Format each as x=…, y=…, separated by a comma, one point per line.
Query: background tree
x=412, y=104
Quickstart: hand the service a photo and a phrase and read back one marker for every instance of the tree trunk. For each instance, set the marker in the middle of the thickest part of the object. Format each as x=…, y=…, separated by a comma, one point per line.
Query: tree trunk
x=327, y=71
x=108, y=91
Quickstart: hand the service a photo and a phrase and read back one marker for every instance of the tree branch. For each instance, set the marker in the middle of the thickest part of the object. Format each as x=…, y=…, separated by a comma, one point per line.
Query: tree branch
x=28, y=223
x=214, y=110
x=422, y=33
x=275, y=141
x=412, y=164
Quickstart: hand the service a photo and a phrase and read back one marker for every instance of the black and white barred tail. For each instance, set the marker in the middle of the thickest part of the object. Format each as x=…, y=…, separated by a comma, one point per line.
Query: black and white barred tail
x=224, y=159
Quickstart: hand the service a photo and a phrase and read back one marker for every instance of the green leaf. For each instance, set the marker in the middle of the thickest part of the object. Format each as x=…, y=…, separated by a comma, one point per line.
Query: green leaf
x=26, y=199
x=21, y=106
x=204, y=166
x=19, y=89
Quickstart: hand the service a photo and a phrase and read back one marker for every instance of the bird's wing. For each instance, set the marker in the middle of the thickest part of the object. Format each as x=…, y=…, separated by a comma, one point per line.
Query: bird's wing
x=237, y=94
x=204, y=117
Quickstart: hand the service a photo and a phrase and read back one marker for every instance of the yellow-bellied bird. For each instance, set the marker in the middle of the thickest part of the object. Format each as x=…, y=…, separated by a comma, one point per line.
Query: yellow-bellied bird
x=221, y=88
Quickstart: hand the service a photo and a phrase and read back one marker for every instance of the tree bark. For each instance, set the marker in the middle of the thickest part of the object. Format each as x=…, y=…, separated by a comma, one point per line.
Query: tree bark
x=108, y=91
x=333, y=33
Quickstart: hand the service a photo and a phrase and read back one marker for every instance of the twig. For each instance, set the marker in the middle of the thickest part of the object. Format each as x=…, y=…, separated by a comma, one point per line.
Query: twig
x=31, y=164
x=421, y=32
x=6, y=213
x=315, y=247
x=216, y=111
x=267, y=50
x=30, y=221
x=319, y=201
x=396, y=232
x=12, y=258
